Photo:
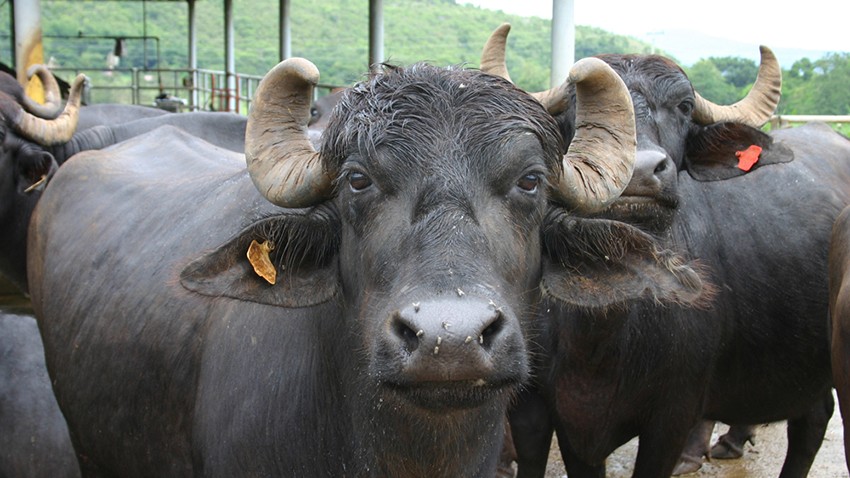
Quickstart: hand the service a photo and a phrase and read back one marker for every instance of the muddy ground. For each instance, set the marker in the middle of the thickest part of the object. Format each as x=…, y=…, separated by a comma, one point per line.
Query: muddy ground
x=762, y=460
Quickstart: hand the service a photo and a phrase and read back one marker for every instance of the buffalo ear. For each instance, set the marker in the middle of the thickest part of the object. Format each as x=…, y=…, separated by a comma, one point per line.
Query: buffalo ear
x=597, y=263
x=35, y=168
x=303, y=258
x=711, y=151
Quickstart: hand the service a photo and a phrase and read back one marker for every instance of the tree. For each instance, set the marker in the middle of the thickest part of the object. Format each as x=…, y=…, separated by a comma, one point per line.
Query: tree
x=829, y=92
x=709, y=81
x=737, y=71
x=801, y=69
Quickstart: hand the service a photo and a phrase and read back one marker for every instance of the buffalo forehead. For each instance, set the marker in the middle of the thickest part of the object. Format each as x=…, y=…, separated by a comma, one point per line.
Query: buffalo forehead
x=428, y=107
x=449, y=161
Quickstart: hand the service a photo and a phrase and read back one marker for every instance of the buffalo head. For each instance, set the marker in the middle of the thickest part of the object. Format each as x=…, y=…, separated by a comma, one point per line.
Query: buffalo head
x=30, y=128
x=677, y=129
x=437, y=181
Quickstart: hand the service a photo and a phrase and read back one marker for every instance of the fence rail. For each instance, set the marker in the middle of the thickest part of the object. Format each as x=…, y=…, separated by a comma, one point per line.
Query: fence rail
x=783, y=121
x=200, y=89
x=172, y=89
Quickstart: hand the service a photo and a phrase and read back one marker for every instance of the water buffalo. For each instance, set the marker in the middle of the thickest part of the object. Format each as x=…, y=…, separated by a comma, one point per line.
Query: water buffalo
x=28, y=129
x=30, y=159
x=360, y=310
x=839, y=310
x=34, y=432
x=34, y=441
x=37, y=139
x=759, y=351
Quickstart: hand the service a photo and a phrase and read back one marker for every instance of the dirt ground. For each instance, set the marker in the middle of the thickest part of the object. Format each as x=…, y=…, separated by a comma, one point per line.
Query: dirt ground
x=762, y=460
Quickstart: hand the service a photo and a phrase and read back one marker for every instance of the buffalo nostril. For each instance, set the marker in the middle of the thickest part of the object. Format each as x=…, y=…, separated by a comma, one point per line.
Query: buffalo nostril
x=492, y=330
x=649, y=163
x=407, y=335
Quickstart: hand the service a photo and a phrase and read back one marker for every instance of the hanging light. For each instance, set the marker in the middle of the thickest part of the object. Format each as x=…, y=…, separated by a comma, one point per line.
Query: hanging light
x=118, y=50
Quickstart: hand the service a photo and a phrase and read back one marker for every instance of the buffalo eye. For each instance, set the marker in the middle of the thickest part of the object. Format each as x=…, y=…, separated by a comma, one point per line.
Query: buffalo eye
x=358, y=181
x=686, y=107
x=529, y=182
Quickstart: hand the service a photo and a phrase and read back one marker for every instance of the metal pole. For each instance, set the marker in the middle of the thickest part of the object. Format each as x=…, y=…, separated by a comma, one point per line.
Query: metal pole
x=230, y=61
x=145, y=34
x=12, y=49
x=193, y=55
x=28, y=46
x=376, y=32
x=137, y=97
x=563, y=40
x=285, y=30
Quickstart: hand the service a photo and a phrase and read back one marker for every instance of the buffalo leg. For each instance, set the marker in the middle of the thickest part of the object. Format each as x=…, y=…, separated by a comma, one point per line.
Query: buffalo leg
x=805, y=435
x=731, y=444
x=531, y=429
x=841, y=374
x=844, y=403
x=695, y=448
x=661, y=444
x=577, y=468
x=840, y=315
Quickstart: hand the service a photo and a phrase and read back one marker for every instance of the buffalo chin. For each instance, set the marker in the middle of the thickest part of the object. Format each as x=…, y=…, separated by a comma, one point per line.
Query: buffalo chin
x=645, y=213
x=460, y=395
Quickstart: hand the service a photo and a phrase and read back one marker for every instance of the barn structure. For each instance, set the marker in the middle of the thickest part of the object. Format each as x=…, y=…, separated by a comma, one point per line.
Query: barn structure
x=26, y=37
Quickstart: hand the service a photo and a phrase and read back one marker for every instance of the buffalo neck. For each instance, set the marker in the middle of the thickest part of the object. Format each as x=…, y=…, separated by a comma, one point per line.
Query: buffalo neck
x=97, y=137
x=446, y=443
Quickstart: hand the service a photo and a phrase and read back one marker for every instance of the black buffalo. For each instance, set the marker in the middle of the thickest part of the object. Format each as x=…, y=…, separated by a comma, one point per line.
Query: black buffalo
x=30, y=159
x=34, y=434
x=27, y=130
x=361, y=310
x=839, y=309
x=759, y=350
x=37, y=139
x=34, y=441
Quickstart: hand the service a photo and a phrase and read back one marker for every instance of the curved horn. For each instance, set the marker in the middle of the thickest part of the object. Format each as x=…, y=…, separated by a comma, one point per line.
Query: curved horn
x=556, y=99
x=51, y=132
x=52, y=106
x=600, y=159
x=493, y=62
x=282, y=162
x=759, y=104
x=493, y=54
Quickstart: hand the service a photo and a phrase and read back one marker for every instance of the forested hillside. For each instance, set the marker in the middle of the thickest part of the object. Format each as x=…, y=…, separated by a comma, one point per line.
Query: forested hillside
x=334, y=35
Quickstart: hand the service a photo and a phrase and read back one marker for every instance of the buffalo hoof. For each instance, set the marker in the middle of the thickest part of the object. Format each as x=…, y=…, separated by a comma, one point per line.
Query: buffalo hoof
x=730, y=447
x=687, y=464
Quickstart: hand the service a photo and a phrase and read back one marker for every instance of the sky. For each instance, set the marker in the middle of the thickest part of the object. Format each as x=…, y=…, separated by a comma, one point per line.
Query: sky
x=811, y=24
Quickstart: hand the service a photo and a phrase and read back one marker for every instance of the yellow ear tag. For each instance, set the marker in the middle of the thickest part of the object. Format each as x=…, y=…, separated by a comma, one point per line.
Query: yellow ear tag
x=258, y=256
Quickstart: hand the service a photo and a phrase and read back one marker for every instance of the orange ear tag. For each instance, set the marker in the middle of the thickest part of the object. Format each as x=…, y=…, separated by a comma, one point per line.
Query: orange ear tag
x=748, y=157
x=258, y=256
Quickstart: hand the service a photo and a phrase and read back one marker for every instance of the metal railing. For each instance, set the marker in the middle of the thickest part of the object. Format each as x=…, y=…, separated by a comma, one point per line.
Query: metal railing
x=181, y=89
x=784, y=121
x=192, y=90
